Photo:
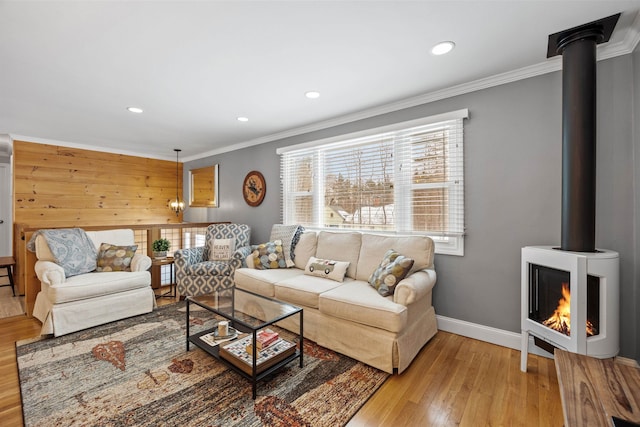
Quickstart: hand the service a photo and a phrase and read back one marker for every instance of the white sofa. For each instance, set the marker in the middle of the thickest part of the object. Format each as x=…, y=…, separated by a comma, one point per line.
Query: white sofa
x=351, y=317
x=69, y=304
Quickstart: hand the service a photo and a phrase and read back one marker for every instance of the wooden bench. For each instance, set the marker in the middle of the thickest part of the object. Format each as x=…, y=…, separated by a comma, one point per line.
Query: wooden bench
x=593, y=391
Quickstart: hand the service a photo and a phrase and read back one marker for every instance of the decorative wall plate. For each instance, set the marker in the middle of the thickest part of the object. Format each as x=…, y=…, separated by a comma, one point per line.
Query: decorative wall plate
x=254, y=188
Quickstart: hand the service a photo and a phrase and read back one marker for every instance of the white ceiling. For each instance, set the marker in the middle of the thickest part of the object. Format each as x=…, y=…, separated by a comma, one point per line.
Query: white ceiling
x=68, y=70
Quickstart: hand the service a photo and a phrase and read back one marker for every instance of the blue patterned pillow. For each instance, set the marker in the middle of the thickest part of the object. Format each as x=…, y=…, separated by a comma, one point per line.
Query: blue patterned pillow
x=267, y=256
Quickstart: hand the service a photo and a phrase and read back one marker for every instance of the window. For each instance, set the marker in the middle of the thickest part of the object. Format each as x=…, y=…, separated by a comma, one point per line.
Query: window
x=405, y=178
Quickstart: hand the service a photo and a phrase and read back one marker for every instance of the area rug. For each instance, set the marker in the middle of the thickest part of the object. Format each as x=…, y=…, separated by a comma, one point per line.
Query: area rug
x=137, y=372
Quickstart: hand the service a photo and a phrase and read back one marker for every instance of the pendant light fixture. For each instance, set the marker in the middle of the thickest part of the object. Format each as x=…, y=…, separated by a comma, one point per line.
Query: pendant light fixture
x=177, y=205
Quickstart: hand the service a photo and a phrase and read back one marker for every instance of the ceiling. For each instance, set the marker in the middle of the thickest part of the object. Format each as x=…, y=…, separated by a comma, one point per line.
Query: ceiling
x=70, y=69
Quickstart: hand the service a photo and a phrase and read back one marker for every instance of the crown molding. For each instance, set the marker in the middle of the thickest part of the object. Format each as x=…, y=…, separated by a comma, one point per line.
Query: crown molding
x=37, y=140
x=6, y=145
x=604, y=51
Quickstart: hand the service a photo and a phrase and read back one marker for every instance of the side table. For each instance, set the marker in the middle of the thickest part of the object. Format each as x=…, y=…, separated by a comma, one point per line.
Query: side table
x=156, y=276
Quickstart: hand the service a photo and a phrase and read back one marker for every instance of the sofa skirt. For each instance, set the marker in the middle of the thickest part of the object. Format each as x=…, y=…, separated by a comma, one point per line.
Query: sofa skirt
x=62, y=319
x=385, y=350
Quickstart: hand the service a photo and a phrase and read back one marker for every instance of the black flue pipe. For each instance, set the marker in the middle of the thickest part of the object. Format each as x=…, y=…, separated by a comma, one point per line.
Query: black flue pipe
x=579, y=145
x=578, y=49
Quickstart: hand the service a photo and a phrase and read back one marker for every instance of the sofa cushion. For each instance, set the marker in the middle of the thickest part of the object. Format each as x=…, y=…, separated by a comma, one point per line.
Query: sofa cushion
x=209, y=268
x=358, y=302
x=326, y=268
x=305, y=249
x=374, y=246
x=392, y=269
x=96, y=284
x=262, y=281
x=289, y=236
x=342, y=247
x=121, y=237
x=304, y=290
x=115, y=258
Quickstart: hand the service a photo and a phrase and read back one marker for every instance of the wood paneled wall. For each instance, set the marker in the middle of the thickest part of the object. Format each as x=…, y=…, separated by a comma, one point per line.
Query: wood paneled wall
x=60, y=186
x=55, y=186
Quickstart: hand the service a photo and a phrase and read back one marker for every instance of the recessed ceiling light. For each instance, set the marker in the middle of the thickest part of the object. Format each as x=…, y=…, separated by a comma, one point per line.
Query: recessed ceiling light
x=312, y=94
x=243, y=119
x=442, y=48
x=134, y=110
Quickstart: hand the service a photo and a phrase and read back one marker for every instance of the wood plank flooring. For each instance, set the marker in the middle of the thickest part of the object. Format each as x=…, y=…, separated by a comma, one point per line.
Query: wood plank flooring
x=458, y=381
x=10, y=305
x=453, y=381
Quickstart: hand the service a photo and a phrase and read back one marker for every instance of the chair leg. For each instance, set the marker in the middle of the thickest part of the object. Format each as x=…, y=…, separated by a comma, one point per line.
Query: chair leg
x=10, y=274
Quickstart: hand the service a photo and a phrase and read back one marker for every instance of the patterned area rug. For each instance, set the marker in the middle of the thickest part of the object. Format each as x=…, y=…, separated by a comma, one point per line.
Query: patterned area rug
x=136, y=372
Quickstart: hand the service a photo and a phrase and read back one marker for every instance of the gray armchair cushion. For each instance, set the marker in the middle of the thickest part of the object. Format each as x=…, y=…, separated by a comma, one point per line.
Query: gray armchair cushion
x=210, y=268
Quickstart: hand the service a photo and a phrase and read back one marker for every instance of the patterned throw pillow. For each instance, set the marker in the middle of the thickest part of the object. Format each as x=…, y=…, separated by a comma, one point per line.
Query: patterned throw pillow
x=289, y=235
x=221, y=249
x=393, y=268
x=115, y=258
x=267, y=255
x=327, y=268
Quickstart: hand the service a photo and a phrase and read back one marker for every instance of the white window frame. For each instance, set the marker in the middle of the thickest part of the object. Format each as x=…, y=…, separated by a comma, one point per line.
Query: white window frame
x=444, y=244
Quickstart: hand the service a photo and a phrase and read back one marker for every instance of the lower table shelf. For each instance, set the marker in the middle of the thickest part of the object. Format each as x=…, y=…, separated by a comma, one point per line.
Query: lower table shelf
x=264, y=370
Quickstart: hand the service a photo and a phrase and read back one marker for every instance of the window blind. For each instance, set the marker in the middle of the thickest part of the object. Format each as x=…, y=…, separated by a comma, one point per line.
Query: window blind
x=405, y=180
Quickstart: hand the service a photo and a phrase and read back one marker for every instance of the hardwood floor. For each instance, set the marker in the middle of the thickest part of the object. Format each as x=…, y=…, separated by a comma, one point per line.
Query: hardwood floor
x=12, y=329
x=460, y=381
x=453, y=381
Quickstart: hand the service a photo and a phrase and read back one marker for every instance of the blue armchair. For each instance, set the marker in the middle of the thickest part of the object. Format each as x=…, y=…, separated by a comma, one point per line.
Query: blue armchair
x=196, y=274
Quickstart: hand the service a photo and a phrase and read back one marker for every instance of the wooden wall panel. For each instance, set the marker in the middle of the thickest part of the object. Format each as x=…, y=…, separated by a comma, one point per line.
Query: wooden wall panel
x=58, y=186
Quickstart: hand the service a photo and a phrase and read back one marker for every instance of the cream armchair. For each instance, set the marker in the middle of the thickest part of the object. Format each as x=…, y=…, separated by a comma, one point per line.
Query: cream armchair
x=197, y=273
x=68, y=304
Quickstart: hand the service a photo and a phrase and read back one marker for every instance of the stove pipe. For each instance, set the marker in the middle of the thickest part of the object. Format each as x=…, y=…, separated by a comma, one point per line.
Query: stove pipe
x=578, y=49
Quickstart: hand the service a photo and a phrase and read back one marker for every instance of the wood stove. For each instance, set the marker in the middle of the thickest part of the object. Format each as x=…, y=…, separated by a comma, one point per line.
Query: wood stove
x=570, y=294
x=570, y=300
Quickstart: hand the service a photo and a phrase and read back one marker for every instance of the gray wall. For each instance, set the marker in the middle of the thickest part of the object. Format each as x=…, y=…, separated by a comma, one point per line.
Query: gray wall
x=512, y=193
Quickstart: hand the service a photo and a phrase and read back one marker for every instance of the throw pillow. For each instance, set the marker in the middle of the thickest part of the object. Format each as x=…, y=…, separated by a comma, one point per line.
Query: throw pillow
x=393, y=268
x=115, y=258
x=267, y=255
x=327, y=268
x=289, y=235
x=221, y=249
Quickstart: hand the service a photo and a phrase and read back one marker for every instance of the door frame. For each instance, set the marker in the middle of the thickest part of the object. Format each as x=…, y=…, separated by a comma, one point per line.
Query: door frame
x=6, y=209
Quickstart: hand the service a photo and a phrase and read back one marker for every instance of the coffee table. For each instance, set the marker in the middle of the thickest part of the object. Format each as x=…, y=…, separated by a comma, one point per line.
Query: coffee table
x=248, y=313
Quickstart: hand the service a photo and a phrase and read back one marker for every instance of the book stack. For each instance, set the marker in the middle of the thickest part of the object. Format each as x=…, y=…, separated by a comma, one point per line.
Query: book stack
x=237, y=352
x=264, y=339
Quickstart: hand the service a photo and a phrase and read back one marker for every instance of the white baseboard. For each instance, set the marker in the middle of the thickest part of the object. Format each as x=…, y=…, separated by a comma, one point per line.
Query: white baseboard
x=500, y=337
x=487, y=334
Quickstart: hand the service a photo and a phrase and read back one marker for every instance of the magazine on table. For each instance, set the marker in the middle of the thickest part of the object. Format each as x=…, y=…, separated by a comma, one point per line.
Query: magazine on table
x=213, y=339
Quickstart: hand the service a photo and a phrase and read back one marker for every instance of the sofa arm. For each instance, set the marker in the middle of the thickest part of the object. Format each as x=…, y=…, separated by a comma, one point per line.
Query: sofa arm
x=240, y=256
x=183, y=258
x=50, y=273
x=414, y=287
x=140, y=262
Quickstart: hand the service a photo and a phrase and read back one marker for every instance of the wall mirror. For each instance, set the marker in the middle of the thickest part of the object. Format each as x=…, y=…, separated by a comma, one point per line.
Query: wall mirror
x=203, y=187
